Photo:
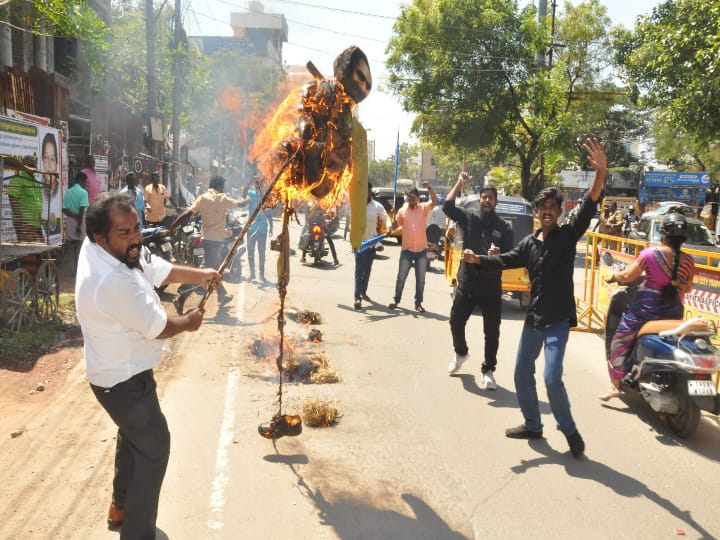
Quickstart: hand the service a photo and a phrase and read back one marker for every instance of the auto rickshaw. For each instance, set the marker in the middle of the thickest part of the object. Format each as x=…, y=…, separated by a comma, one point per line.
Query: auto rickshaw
x=517, y=211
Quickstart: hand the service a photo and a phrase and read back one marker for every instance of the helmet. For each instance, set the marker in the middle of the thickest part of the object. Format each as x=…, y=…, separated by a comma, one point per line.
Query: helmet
x=674, y=225
x=440, y=199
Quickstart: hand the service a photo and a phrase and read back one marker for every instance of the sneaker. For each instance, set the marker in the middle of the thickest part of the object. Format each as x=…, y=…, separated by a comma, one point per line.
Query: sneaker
x=521, y=432
x=357, y=304
x=252, y=277
x=576, y=443
x=488, y=380
x=393, y=305
x=225, y=299
x=456, y=362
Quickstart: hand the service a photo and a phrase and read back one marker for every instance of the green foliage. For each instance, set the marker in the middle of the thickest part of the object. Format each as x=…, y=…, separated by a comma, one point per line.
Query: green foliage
x=674, y=56
x=467, y=69
x=382, y=172
x=63, y=18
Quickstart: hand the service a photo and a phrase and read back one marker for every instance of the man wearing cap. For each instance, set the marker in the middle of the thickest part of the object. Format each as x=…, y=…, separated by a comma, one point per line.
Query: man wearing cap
x=485, y=232
x=412, y=217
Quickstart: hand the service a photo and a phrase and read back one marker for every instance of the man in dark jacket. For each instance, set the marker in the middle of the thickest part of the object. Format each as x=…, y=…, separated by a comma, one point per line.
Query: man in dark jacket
x=549, y=256
x=482, y=231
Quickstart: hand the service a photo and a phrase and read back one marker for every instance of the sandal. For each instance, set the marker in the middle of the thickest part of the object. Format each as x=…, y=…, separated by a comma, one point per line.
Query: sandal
x=418, y=307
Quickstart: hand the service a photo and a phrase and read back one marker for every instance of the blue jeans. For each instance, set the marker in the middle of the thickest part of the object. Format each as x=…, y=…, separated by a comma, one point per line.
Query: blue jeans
x=407, y=259
x=363, y=266
x=256, y=239
x=554, y=338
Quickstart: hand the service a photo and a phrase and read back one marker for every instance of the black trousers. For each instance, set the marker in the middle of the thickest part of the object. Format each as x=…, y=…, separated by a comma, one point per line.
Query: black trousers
x=463, y=305
x=141, y=453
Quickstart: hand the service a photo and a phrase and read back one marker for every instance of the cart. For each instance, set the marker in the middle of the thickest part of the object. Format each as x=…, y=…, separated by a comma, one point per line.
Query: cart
x=29, y=281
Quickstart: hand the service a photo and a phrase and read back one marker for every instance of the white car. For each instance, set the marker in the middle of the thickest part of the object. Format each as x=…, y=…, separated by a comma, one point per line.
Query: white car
x=666, y=207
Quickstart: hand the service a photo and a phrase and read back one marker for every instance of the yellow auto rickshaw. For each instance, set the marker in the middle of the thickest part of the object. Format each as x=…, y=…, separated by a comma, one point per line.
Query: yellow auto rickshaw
x=517, y=211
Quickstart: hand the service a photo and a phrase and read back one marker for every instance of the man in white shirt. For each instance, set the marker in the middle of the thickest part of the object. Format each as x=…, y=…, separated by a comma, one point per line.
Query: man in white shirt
x=124, y=327
x=364, y=259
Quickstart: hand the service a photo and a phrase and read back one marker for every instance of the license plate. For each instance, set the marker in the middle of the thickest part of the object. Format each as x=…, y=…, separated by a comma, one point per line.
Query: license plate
x=701, y=388
x=199, y=252
x=166, y=247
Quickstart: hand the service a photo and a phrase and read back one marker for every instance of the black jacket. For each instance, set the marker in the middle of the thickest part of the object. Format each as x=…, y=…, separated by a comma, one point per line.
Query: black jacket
x=479, y=231
x=550, y=265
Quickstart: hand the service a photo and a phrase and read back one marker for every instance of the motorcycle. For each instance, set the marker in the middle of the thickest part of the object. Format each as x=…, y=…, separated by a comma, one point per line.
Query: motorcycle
x=673, y=365
x=433, y=234
x=234, y=265
x=188, y=244
x=159, y=242
x=317, y=248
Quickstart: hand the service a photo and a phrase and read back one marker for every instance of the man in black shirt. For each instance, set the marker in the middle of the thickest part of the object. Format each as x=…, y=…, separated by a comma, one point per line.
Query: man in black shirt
x=549, y=255
x=482, y=231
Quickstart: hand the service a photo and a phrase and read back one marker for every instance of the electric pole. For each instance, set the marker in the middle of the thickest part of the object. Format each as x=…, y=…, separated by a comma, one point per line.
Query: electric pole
x=151, y=95
x=180, y=39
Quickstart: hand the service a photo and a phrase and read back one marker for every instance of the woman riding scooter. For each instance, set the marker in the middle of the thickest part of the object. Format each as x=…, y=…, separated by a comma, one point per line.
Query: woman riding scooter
x=668, y=275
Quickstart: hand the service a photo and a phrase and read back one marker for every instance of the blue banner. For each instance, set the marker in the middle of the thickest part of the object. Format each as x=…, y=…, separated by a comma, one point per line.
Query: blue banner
x=676, y=179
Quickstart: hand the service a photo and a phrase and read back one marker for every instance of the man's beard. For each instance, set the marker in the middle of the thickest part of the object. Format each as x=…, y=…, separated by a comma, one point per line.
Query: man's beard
x=132, y=264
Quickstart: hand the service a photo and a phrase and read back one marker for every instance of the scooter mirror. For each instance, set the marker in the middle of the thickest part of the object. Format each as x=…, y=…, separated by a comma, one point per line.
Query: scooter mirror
x=607, y=259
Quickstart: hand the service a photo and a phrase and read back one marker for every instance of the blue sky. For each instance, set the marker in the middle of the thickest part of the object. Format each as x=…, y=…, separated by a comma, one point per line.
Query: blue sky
x=319, y=29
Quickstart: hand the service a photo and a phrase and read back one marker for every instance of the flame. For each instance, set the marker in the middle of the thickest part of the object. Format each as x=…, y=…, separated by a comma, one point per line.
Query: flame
x=281, y=136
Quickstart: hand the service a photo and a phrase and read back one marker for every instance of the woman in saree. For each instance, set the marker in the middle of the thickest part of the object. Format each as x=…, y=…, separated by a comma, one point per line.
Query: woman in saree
x=668, y=276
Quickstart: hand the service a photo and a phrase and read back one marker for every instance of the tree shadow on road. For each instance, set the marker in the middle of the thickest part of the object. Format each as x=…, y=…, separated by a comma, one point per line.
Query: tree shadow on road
x=622, y=484
x=351, y=517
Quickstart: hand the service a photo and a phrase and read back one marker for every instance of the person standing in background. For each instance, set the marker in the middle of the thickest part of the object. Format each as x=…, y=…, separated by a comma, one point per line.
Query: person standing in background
x=155, y=196
x=258, y=230
x=136, y=193
x=412, y=217
x=93, y=184
x=364, y=259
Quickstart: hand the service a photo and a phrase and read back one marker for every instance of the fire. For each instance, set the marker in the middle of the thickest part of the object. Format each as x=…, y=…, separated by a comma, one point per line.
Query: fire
x=316, y=120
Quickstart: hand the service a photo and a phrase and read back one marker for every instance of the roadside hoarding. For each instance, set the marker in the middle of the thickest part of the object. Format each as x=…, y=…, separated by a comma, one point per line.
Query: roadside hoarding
x=676, y=186
x=46, y=145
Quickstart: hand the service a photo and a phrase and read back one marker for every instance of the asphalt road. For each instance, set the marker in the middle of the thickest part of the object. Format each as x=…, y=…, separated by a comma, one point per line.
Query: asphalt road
x=416, y=453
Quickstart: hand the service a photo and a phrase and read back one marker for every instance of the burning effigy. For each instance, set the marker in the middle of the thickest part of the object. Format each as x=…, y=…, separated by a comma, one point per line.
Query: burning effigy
x=313, y=148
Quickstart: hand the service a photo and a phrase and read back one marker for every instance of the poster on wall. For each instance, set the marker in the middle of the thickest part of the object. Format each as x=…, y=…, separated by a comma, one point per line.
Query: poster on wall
x=36, y=198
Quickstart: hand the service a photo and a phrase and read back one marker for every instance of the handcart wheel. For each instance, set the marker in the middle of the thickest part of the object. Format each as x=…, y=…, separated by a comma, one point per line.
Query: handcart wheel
x=17, y=306
x=48, y=290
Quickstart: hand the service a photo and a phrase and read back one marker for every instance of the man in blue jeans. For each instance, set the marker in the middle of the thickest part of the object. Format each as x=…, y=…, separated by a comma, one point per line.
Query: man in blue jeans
x=412, y=217
x=364, y=259
x=549, y=256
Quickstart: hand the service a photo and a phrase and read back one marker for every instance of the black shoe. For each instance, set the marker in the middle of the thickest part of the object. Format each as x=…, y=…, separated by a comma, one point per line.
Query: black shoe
x=393, y=305
x=179, y=303
x=576, y=443
x=225, y=299
x=357, y=304
x=419, y=307
x=365, y=297
x=521, y=432
x=336, y=262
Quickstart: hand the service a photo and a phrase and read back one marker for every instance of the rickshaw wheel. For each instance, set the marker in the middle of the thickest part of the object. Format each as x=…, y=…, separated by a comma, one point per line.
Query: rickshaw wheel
x=48, y=290
x=19, y=297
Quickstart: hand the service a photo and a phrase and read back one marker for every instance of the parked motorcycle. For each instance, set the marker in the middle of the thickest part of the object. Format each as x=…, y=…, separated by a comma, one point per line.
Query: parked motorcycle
x=188, y=248
x=233, y=269
x=674, y=362
x=159, y=242
x=433, y=234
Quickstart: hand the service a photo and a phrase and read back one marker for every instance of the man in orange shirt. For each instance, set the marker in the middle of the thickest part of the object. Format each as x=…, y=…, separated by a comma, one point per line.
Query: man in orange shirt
x=412, y=217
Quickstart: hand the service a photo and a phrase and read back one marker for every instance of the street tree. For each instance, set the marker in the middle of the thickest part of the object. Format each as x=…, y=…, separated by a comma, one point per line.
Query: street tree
x=61, y=18
x=468, y=71
x=673, y=56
